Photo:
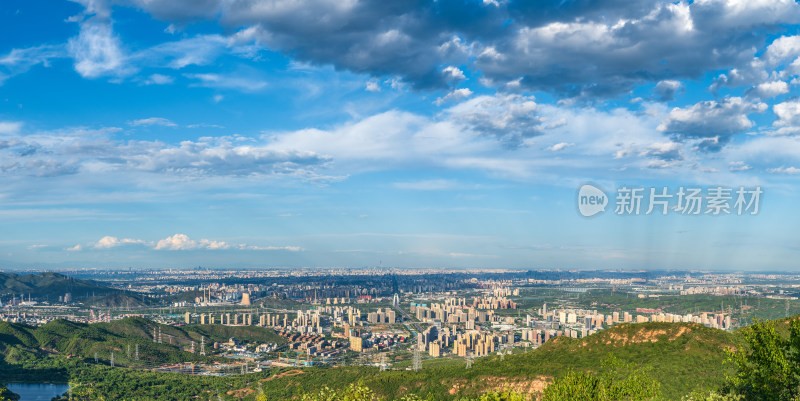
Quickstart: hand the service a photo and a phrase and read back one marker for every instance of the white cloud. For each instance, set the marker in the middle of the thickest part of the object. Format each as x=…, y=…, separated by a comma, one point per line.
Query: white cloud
x=452, y=73
x=768, y=90
x=666, y=151
x=10, y=127
x=667, y=89
x=159, y=79
x=182, y=242
x=97, y=51
x=108, y=242
x=509, y=118
x=788, y=113
x=738, y=166
x=784, y=170
x=153, y=121
x=455, y=95
x=75, y=248
x=242, y=84
x=560, y=146
x=711, y=119
x=373, y=86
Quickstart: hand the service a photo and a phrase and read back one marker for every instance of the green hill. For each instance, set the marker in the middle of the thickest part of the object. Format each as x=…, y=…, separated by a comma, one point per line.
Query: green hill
x=682, y=357
x=49, y=285
x=21, y=344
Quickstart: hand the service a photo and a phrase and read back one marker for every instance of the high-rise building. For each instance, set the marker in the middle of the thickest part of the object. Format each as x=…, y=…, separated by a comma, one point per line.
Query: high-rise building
x=356, y=344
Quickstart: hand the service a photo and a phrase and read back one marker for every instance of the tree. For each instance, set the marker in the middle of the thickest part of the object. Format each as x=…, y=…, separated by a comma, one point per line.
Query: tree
x=768, y=368
x=7, y=395
x=356, y=392
x=615, y=382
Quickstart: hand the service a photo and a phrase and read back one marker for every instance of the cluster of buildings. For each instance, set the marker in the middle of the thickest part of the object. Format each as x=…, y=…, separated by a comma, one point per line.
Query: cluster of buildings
x=303, y=322
x=589, y=321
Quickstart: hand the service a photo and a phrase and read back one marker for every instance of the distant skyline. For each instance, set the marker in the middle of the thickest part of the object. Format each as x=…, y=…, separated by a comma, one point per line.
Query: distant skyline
x=455, y=134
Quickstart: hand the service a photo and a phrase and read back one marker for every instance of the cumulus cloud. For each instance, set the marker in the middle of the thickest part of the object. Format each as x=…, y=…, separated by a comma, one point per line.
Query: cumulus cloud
x=766, y=90
x=567, y=47
x=666, y=151
x=788, y=117
x=75, y=248
x=667, y=89
x=453, y=73
x=510, y=118
x=455, y=95
x=108, y=242
x=560, y=146
x=178, y=242
x=182, y=242
x=711, y=119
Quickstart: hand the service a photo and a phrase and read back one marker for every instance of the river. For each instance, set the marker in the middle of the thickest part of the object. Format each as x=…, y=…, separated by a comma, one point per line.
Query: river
x=37, y=391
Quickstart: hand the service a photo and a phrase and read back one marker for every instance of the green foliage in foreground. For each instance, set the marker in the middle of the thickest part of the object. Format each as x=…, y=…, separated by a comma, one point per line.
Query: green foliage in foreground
x=769, y=367
x=7, y=395
x=614, y=382
x=359, y=392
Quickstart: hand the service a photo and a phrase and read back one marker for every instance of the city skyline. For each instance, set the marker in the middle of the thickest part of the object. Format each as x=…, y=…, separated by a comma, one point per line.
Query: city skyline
x=428, y=134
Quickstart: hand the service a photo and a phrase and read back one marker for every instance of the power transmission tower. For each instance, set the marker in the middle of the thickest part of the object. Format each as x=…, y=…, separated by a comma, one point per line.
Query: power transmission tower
x=417, y=361
x=202, y=345
x=383, y=362
x=112, y=359
x=129, y=352
x=95, y=357
x=159, y=335
x=469, y=361
x=155, y=334
x=137, y=352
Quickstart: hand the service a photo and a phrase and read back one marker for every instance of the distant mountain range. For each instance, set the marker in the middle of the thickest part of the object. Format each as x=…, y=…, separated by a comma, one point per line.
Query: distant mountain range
x=50, y=286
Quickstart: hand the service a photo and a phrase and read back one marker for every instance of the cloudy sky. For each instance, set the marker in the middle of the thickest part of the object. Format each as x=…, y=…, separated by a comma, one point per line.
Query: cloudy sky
x=247, y=133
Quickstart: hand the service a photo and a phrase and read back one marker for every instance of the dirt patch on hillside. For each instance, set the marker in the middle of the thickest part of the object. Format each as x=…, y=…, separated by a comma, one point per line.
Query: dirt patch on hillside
x=499, y=383
x=646, y=335
x=287, y=373
x=241, y=393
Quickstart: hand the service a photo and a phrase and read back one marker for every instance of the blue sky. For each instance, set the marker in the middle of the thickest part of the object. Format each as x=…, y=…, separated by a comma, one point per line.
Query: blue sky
x=254, y=133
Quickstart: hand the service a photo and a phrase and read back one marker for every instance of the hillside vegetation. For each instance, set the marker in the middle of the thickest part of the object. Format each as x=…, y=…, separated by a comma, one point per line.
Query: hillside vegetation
x=676, y=359
x=24, y=347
